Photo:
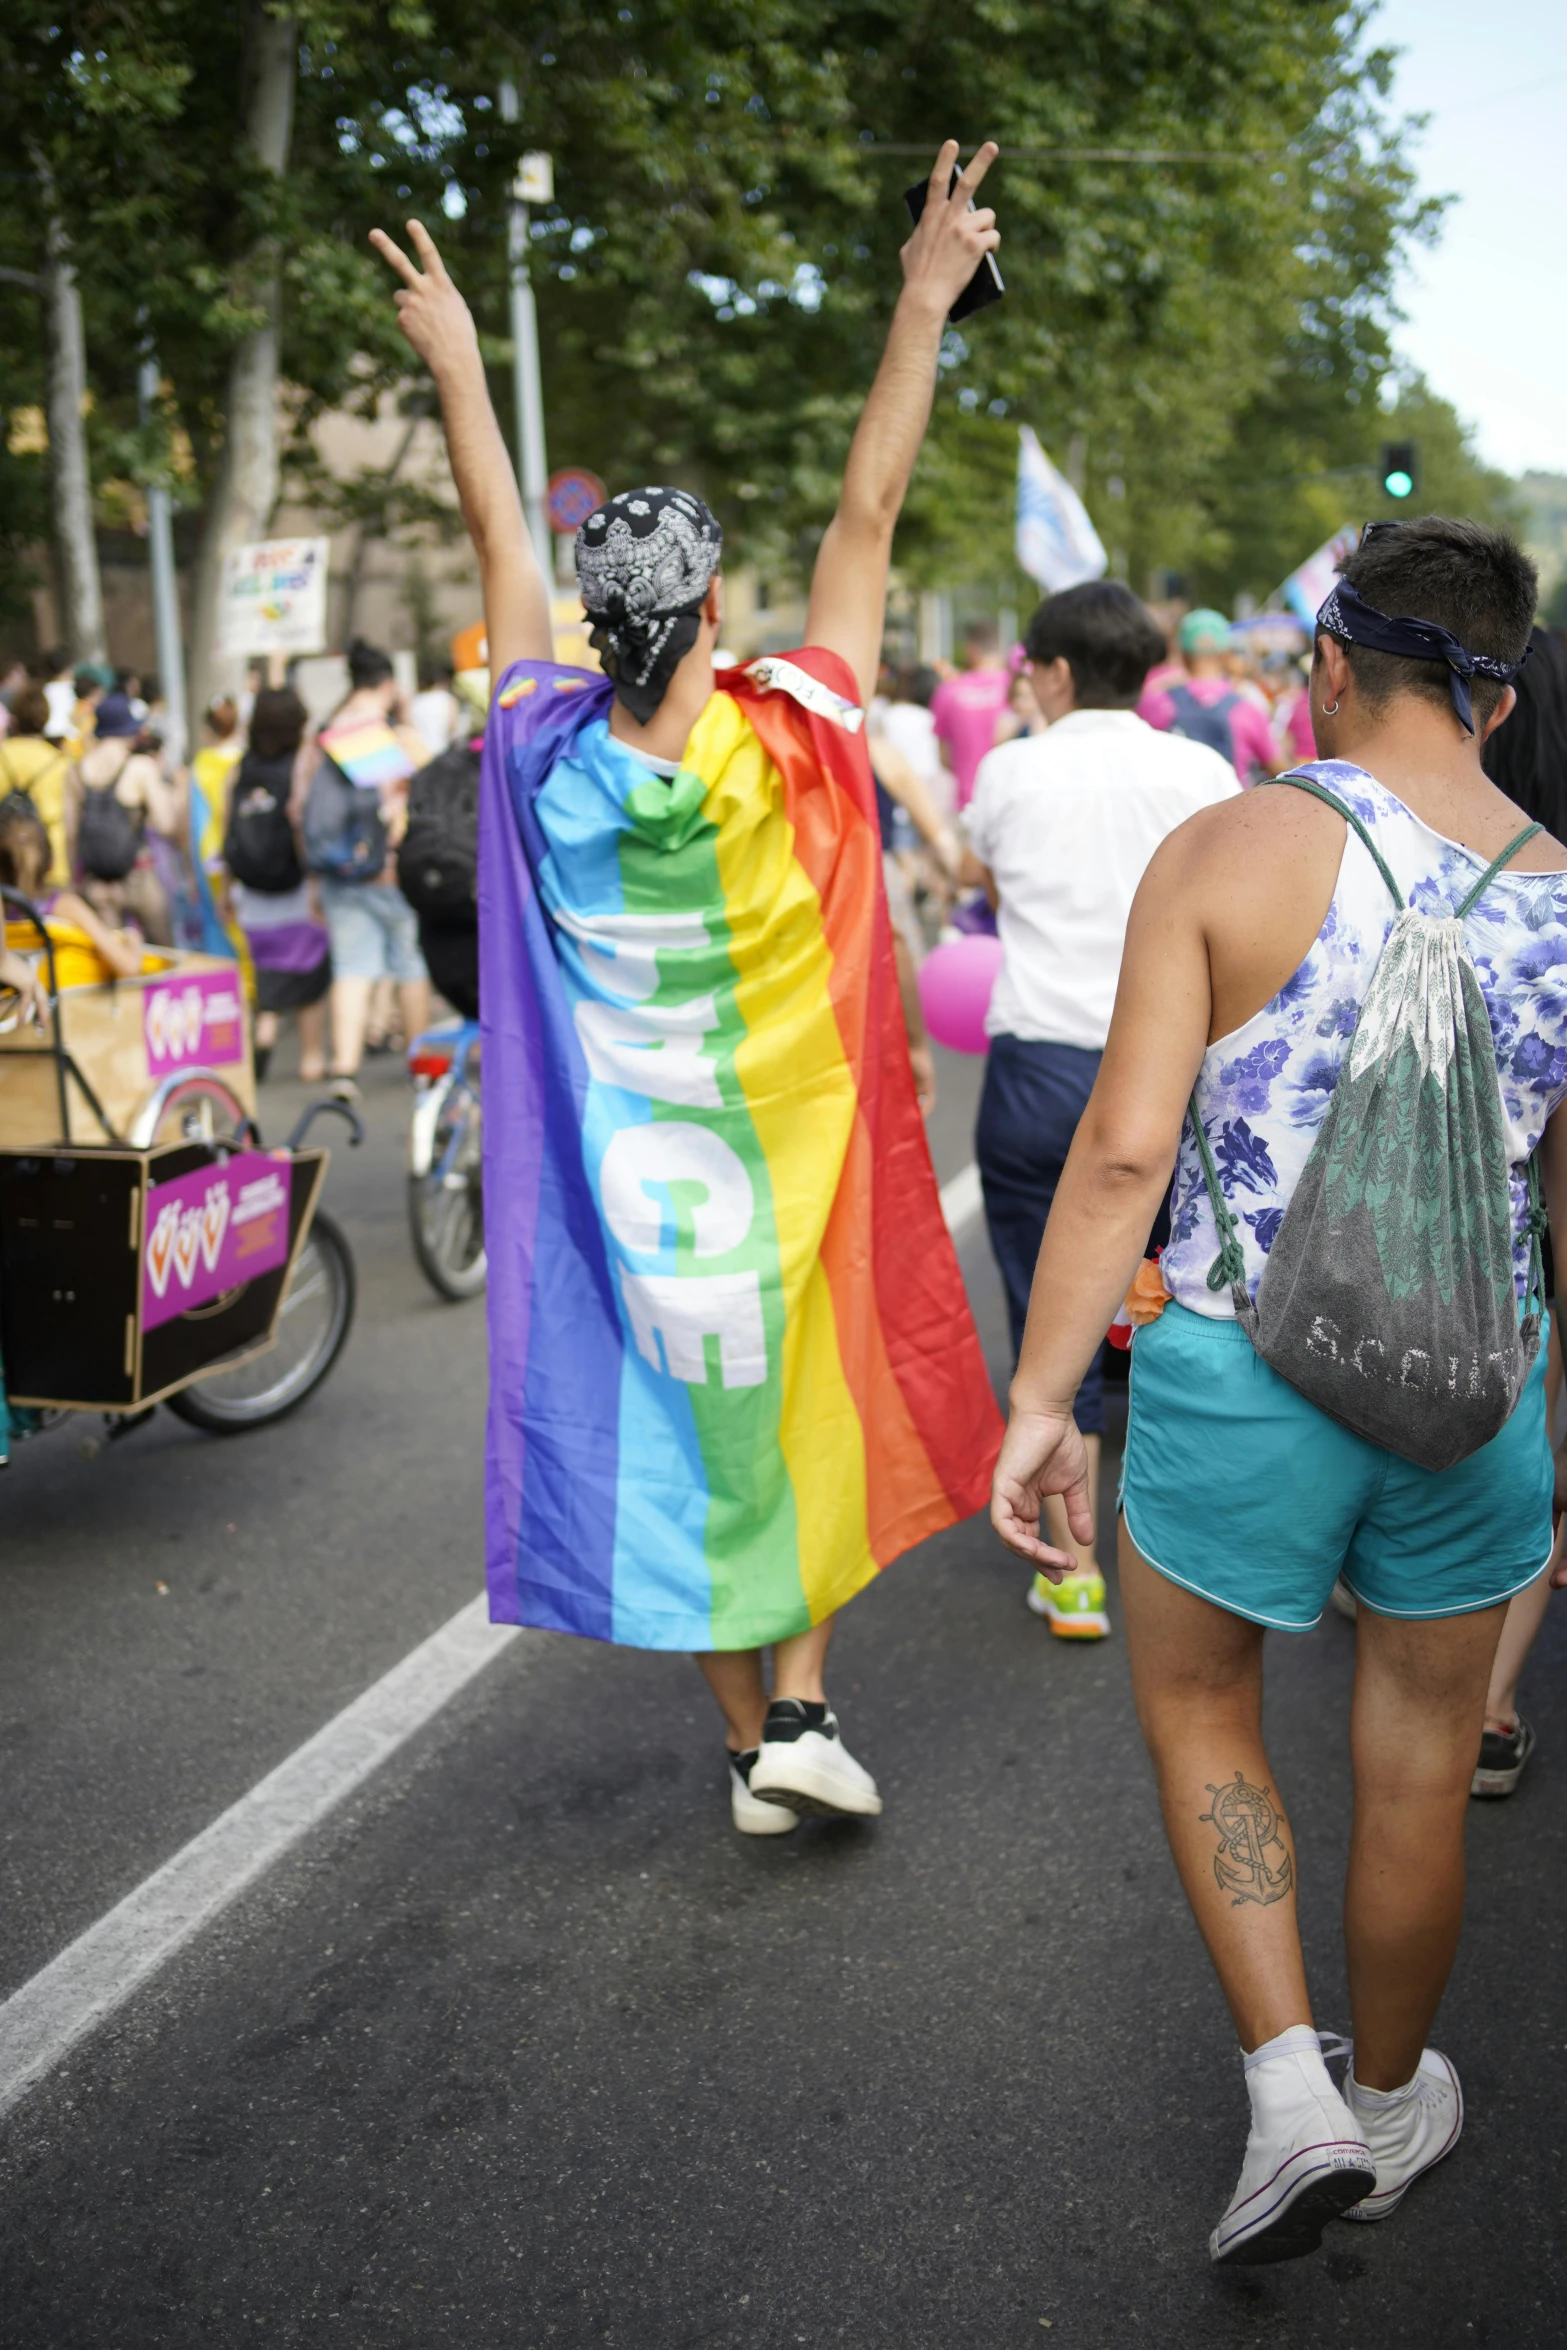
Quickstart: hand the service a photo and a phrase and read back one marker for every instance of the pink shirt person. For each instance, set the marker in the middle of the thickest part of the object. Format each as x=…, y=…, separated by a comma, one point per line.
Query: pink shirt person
x=966, y=708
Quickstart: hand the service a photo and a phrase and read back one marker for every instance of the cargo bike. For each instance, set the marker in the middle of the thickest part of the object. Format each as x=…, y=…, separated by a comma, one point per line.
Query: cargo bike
x=151, y=1249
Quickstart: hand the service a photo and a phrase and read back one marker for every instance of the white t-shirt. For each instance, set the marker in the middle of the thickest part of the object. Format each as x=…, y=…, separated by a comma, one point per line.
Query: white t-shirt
x=1067, y=822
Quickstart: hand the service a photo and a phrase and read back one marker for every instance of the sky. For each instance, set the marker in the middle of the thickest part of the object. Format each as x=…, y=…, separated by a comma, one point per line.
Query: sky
x=1487, y=308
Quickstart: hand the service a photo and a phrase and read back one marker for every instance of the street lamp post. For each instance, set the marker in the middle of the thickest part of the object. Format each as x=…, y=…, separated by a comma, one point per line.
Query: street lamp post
x=165, y=584
x=534, y=182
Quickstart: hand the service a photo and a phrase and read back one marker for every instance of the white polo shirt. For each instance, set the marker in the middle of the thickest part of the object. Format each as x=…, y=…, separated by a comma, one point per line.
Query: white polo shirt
x=1067, y=822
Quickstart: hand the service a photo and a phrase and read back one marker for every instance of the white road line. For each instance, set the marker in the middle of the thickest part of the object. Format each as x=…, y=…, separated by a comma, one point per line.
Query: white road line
x=43, y=2021
x=961, y=1201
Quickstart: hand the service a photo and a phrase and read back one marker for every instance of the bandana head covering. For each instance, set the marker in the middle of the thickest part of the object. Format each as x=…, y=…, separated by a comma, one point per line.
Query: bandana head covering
x=645, y=561
x=1346, y=614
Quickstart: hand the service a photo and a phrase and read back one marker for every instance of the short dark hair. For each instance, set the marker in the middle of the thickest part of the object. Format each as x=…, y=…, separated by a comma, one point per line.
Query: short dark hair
x=1475, y=582
x=30, y=710
x=277, y=722
x=1527, y=755
x=916, y=683
x=1106, y=635
x=982, y=634
x=367, y=665
x=20, y=822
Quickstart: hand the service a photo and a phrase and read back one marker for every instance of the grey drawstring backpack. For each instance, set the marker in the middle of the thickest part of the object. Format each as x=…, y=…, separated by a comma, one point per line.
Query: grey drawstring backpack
x=1388, y=1298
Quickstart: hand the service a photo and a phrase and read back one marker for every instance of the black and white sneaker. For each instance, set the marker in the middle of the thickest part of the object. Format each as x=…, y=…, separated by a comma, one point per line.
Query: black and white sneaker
x=751, y=1817
x=805, y=1766
x=1503, y=1754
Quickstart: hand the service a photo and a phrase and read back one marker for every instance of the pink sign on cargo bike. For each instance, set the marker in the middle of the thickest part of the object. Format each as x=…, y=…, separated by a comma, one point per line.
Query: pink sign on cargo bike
x=195, y=1021
x=209, y=1231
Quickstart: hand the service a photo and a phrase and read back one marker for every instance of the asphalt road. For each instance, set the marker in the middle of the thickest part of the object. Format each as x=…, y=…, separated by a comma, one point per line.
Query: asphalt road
x=526, y=2047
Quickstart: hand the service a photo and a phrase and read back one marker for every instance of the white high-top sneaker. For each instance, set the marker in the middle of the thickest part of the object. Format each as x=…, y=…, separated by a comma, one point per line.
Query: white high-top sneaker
x=751, y=1817
x=805, y=1765
x=1406, y=2129
x=1306, y=2158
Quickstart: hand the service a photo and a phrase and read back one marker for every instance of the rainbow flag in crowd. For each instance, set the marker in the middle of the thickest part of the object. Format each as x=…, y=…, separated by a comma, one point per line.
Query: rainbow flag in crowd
x=733, y=1370
x=368, y=752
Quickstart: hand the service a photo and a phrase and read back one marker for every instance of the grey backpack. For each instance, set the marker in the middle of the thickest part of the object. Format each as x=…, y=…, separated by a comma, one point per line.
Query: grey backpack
x=1388, y=1295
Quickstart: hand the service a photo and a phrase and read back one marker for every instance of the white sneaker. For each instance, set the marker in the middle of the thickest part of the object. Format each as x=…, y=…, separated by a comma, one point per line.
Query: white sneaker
x=749, y=1816
x=1306, y=2158
x=804, y=1764
x=1406, y=2129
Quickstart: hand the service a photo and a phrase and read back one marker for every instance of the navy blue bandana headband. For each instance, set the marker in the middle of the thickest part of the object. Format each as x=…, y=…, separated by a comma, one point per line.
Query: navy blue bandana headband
x=1347, y=614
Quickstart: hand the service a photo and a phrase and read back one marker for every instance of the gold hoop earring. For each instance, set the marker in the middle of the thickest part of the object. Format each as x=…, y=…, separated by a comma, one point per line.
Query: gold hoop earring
x=1330, y=709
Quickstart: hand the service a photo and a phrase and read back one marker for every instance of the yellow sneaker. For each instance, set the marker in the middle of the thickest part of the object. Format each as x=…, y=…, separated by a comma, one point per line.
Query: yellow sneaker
x=1074, y=1608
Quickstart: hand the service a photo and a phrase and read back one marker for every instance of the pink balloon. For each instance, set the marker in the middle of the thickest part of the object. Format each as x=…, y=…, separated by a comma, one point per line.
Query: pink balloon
x=955, y=984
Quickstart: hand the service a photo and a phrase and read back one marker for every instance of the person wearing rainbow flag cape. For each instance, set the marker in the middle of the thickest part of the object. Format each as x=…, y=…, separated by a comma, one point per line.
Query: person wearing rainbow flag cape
x=733, y=1368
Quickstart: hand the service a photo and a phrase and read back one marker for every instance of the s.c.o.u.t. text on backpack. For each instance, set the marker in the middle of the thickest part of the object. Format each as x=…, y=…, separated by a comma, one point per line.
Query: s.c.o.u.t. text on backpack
x=1388, y=1298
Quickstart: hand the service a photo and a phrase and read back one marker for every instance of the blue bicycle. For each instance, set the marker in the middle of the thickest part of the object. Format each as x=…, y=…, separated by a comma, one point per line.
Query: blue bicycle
x=445, y=1191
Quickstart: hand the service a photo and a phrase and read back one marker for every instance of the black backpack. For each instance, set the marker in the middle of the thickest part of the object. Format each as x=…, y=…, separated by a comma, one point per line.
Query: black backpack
x=1204, y=722
x=345, y=832
x=438, y=860
x=259, y=847
x=108, y=835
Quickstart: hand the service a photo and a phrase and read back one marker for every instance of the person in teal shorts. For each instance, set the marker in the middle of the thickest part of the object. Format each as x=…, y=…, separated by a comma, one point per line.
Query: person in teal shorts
x=1252, y=944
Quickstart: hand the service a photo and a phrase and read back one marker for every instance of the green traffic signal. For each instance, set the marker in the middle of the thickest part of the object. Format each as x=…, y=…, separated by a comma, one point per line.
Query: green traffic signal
x=1400, y=469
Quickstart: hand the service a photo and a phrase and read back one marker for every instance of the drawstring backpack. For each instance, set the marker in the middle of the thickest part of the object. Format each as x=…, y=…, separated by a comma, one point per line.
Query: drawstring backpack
x=1388, y=1296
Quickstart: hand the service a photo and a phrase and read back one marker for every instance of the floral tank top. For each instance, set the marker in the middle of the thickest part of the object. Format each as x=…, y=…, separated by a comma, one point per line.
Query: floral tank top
x=1263, y=1091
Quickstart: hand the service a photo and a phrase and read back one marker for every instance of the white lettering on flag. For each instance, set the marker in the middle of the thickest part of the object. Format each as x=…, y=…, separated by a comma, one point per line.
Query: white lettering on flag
x=685, y=1309
x=675, y=1151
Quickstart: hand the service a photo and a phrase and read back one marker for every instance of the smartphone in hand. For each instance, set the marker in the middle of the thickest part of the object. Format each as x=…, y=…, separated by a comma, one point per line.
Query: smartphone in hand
x=985, y=286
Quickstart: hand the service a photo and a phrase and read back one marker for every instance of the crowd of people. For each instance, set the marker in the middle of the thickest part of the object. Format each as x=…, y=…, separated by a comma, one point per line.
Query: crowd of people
x=1333, y=1010
x=266, y=847
x=734, y=1372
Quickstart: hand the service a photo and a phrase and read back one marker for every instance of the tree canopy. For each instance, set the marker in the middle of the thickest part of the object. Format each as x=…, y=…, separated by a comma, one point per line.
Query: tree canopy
x=714, y=275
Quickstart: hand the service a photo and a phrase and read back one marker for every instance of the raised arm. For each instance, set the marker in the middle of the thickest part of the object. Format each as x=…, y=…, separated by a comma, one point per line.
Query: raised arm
x=439, y=324
x=849, y=587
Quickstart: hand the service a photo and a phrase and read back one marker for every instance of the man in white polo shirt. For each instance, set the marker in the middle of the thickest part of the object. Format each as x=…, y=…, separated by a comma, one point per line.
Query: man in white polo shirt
x=1062, y=826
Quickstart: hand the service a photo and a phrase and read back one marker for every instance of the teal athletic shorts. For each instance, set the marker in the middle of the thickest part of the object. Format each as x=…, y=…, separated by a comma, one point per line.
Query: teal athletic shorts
x=1237, y=1488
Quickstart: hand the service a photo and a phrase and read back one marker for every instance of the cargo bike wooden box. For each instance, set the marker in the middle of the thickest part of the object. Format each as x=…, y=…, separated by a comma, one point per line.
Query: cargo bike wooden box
x=151, y=1251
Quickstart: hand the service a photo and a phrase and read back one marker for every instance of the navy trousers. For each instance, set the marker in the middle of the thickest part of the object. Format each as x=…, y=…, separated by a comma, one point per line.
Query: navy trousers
x=1033, y=1098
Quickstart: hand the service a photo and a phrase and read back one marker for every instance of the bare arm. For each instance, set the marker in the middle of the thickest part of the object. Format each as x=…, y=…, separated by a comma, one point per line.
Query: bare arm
x=439, y=325
x=921, y=1059
x=1115, y=1176
x=849, y=588
x=118, y=949
x=899, y=777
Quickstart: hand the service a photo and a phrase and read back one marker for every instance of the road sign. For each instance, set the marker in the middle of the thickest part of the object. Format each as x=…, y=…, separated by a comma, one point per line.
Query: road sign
x=573, y=494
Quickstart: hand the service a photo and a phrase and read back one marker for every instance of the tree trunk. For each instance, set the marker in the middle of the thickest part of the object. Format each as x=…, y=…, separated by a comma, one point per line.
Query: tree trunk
x=70, y=481
x=246, y=488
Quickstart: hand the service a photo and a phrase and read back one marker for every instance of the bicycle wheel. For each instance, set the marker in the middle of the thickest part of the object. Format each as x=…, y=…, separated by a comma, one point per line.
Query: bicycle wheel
x=318, y=1307
x=446, y=1204
x=197, y=1108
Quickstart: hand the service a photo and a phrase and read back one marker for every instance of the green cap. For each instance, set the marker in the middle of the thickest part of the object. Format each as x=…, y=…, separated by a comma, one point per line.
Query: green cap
x=1205, y=629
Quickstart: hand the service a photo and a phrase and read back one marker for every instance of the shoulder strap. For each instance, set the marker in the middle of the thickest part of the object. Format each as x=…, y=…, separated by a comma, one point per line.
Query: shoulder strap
x=1492, y=870
x=1330, y=800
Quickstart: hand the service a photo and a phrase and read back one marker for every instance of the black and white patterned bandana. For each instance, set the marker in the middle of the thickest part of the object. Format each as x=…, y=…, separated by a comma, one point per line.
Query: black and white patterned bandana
x=645, y=561
x=1346, y=614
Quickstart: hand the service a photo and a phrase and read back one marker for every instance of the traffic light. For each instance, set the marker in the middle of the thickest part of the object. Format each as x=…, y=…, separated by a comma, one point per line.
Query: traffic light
x=1400, y=469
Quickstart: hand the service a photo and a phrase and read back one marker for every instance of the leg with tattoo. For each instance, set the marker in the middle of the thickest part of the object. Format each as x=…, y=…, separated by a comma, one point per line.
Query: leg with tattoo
x=1197, y=1678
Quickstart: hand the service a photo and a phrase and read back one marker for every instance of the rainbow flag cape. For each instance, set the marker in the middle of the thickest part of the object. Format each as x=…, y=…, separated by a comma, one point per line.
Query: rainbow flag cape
x=733, y=1369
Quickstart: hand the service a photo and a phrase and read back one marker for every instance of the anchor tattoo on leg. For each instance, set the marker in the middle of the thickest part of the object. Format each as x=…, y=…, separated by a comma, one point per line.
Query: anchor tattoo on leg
x=1248, y=1823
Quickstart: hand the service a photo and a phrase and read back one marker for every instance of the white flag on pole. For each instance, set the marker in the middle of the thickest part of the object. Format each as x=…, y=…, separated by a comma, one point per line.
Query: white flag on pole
x=1056, y=542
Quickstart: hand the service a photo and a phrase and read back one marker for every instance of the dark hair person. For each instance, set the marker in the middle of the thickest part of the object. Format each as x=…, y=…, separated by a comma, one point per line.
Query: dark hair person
x=1107, y=634
x=1527, y=756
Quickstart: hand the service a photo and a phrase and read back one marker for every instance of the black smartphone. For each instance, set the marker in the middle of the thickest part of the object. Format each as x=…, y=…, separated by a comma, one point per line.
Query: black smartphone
x=985, y=286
